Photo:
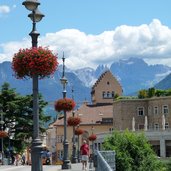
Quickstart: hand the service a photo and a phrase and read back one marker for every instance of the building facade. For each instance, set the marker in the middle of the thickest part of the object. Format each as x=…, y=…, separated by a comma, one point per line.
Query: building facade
x=151, y=116
x=105, y=88
x=96, y=117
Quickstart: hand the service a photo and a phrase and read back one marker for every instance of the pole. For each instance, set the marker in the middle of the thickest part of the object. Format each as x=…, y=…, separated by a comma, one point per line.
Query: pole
x=2, y=141
x=78, y=151
x=66, y=161
x=36, y=142
x=56, y=156
x=9, y=147
x=74, y=156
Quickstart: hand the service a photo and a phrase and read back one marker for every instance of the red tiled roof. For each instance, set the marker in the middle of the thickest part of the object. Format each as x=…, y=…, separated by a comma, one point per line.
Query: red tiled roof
x=90, y=114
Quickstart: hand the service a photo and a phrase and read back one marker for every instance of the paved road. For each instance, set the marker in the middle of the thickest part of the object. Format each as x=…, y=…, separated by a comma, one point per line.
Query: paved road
x=28, y=168
x=75, y=167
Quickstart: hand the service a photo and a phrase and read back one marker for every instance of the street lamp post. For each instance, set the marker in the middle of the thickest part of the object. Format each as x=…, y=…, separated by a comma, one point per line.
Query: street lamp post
x=66, y=162
x=92, y=130
x=35, y=16
x=74, y=156
x=78, y=146
x=2, y=141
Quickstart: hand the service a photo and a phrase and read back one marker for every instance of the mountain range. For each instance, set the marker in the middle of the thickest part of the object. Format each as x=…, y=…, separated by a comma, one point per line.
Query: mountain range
x=133, y=74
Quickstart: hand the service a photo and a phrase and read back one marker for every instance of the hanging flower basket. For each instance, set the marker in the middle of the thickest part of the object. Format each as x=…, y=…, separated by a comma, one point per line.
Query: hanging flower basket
x=78, y=131
x=3, y=134
x=73, y=121
x=65, y=104
x=92, y=137
x=28, y=62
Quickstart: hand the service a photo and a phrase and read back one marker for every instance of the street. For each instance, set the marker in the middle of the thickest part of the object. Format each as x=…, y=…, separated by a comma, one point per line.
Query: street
x=28, y=168
x=75, y=167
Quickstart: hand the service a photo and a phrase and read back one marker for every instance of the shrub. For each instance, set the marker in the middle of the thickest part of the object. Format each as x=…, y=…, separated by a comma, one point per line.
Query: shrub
x=133, y=152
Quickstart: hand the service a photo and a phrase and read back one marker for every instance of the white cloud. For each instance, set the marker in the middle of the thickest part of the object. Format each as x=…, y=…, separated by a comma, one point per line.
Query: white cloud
x=8, y=49
x=150, y=42
x=4, y=9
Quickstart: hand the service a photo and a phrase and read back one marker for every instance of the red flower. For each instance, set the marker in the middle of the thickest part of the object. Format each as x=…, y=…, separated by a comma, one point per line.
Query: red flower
x=3, y=134
x=78, y=131
x=39, y=61
x=73, y=121
x=65, y=104
x=92, y=137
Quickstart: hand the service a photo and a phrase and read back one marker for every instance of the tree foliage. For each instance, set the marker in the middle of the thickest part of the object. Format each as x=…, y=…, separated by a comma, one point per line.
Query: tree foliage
x=17, y=111
x=151, y=92
x=133, y=152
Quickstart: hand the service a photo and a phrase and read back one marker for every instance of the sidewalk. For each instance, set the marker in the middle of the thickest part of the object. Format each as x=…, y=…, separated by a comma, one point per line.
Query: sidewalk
x=76, y=167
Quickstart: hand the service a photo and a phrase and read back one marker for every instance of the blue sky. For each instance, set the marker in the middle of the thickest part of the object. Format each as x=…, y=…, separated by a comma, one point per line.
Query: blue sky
x=91, y=32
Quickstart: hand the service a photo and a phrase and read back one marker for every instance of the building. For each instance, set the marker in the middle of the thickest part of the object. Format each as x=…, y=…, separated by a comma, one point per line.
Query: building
x=151, y=115
x=105, y=88
x=96, y=117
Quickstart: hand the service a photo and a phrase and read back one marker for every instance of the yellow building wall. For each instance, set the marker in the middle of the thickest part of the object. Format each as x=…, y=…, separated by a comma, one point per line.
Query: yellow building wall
x=88, y=128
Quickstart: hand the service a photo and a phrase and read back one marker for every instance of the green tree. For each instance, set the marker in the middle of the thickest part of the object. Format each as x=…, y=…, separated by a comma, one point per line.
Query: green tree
x=133, y=152
x=151, y=92
x=142, y=94
x=159, y=92
x=18, y=114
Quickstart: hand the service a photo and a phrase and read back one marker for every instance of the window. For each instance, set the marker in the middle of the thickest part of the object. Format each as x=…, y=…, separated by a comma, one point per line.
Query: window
x=140, y=111
x=107, y=120
x=165, y=109
x=113, y=93
x=140, y=126
x=110, y=129
x=167, y=125
x=60, y=154
x=155, y=110
x=156, y=126
x=59, y=138
x=107, y=95
x=103, y=94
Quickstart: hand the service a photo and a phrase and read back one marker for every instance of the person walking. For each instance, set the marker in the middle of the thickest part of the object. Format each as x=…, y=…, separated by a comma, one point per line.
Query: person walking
x=17, y=159
x=23, y=158
x=84, y=149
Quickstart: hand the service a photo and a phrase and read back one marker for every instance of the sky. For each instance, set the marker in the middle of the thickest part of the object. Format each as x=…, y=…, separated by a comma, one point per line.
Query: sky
x=91, y=32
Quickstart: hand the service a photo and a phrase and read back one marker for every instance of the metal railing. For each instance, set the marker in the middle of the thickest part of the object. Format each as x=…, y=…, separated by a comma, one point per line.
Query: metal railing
x=104, y=160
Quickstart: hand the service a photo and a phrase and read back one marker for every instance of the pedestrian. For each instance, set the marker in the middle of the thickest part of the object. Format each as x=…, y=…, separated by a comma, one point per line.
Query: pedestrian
x=17, y=159
x=1, y=158
x=13, y=159
x=84, y=149
x=23, y=159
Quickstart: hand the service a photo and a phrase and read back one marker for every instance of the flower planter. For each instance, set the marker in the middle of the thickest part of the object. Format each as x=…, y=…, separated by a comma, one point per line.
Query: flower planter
x=78, y=131
x=92, y=137
x=3, y=134
x=65, y=104
x=73, y=121
x=34, y=61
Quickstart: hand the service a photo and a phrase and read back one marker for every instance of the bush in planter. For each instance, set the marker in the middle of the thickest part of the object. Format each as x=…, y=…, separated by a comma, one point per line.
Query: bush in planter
x=92, y=137
x=73, y=121
x=65, y=104
x=78, y=131
x=3, y=134
x=34, y=61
